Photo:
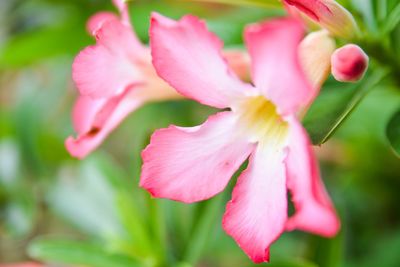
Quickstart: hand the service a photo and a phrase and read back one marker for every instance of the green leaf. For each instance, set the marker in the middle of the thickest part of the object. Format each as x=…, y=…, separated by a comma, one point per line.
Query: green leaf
x=85, y=197
x=200, y=236
x=30, y=47
x=77, y=252
x=332, y=107
x=393, y=20
x=393, y=132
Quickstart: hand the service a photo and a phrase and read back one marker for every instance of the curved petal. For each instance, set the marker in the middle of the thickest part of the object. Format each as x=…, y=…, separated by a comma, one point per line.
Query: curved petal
x=111, y=65
x=257, y=213
x=84, y=113
x=193, y=164
x=276, y=70
x=314, y=210
x=96, y=21
x=97, y=119
x=187, y=56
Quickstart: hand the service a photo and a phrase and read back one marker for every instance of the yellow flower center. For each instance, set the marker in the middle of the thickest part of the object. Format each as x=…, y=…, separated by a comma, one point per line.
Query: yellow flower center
x=259, y=117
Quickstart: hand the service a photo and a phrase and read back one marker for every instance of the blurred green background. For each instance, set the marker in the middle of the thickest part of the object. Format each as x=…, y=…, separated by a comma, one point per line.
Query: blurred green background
x=56, y=209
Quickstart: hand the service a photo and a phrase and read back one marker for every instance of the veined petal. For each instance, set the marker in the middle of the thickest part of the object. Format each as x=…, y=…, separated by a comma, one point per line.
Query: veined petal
x=188, y=57
x=314, y=210
x=257, y=213
x=193, y=164
x=276, y=69
x=113, y=64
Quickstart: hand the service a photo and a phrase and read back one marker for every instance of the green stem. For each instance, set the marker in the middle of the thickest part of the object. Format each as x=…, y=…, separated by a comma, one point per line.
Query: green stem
x=202, y=231
x=159, y=231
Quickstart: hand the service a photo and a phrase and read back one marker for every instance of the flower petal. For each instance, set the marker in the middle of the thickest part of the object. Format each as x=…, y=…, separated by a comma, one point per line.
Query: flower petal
x=276, y=70
x=188, y=57
x=314, y=210
x=257, y=213
x=96, y=21
x=111, y=65
x=193, y=164
x=95, y=119
x=84, y=113
x=122, y=7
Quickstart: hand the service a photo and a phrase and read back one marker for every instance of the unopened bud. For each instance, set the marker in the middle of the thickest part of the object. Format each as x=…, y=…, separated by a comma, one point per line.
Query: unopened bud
x=315, y=56
x=329, y=15
x=349, y=63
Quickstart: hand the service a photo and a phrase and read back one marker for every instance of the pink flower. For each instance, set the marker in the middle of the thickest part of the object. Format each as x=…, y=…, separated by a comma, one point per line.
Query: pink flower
x=191, y=164
x=349, y=63
x=327, y=13
x=115, y=77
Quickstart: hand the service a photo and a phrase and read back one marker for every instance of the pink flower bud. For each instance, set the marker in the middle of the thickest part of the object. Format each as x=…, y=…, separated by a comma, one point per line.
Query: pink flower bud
x=328, y=14
x=349, y=63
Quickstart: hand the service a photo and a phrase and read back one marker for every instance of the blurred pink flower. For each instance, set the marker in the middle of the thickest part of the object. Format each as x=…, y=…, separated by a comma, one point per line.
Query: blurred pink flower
x=328, y=14
x=191, y=164
x=115, y=77
x=349, y=63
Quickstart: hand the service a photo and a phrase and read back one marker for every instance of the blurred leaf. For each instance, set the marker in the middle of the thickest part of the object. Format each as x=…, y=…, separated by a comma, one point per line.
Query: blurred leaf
x=331, y=108
x=291, y=263
x=393, y=20
x=26, y=48
x=20, y=213
x=132, y=221
x=393, y=132
x=198, y=240
x=77, y=252
x=10, y=162
x=85, y=197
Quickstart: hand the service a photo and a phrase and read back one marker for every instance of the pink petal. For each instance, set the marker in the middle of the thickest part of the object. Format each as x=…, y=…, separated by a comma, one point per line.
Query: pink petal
x=96, y=21
x=95, y=119
x=314, y=210
x=122, y=7
x=276, y=70
x=187, y=56
x=84, y=113
x=111, y=65
x=193, y=164
x=239, y=62
x=256, y=215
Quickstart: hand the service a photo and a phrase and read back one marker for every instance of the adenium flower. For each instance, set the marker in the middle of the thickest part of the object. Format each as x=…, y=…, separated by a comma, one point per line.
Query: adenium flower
x=328, y=14
x=191, y=164
x=115, y=77
x=349, y=63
